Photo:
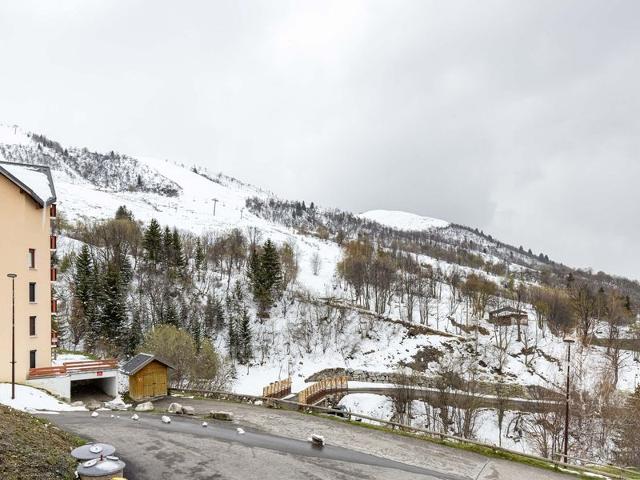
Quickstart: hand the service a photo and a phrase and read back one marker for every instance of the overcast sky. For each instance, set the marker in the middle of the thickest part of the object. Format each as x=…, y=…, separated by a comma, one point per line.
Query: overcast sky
x=518, y=117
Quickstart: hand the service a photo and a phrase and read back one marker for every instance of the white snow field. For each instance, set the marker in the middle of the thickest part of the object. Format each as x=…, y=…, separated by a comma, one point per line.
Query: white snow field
x=31, y=399
x=404, y=220
x=363, y=342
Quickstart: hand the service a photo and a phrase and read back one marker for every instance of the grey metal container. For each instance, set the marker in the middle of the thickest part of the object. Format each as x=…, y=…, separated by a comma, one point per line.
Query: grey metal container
x=92, y=450
x=101, y=469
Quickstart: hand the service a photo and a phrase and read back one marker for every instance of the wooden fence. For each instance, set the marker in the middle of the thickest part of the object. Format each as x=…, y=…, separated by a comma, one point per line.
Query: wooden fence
x=593, y=467
x=73, y=367
x=326, y=386
x=278, y=389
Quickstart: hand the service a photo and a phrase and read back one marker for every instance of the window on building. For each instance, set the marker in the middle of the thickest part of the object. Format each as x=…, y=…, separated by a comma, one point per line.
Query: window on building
x=32, y=292
x=32, y=359
x=32, y=258
x=32, y=326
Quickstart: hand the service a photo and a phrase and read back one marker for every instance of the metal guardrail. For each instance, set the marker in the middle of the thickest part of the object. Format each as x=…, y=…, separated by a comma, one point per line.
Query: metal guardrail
x=557, y=464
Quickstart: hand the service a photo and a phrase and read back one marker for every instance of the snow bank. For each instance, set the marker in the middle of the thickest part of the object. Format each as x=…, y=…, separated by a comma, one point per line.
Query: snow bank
x=370, y=404
x=30, y=399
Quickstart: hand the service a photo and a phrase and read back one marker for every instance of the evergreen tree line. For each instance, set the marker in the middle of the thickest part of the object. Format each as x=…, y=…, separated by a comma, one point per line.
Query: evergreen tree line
x=127, y=279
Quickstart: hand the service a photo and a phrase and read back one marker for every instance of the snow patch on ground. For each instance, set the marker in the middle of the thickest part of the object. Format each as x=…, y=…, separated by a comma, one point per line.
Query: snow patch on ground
x=31, y=399
x=372, y=405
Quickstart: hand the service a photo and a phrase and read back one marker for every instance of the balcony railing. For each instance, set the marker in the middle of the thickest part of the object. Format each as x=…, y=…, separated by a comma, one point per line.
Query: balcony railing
x=54, y=338
x=73, y=367
x=54, y=274
x=53, y=242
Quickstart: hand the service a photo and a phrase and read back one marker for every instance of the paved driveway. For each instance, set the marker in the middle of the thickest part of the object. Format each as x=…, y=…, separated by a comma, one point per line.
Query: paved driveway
x=275, y=445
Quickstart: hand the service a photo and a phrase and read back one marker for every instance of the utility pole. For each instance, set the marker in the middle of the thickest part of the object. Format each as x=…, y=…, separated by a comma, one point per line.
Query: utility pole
x=568, y=341
x=13, y=276
x=215, y=202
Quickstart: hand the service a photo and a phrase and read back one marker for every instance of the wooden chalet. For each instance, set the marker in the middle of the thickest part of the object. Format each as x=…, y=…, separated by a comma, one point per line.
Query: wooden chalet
x=507, y=316
x=148, y=376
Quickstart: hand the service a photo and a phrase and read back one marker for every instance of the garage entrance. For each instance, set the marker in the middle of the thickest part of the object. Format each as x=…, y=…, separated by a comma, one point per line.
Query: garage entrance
x=99, y=389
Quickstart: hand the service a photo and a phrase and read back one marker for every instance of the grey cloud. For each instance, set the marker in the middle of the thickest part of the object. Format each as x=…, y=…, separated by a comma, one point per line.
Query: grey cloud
x=518, y=118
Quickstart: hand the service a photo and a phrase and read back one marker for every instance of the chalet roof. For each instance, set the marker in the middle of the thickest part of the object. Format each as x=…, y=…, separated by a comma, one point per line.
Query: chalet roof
x=140, y=361
x=35, y=180
x=507, y=311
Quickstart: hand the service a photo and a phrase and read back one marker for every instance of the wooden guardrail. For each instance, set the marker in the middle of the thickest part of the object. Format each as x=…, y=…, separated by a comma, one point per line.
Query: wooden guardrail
x=277, y=389
x=73, y=367
x=326, y=386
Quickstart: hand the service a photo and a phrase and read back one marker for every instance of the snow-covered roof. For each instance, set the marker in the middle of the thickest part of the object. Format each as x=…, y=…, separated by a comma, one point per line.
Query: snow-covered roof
x=33, y=179
x=138, y=362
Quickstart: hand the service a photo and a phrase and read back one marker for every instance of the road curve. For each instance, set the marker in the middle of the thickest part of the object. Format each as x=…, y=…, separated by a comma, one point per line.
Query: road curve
x=150, y=448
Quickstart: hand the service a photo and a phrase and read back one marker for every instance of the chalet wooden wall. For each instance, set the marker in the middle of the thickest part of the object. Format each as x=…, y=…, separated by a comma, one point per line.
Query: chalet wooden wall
x=150, y=381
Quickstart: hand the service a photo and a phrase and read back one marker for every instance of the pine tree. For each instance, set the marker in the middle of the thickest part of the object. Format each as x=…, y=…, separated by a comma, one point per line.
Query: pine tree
x=113, y=295
x=244, y=339
x=196, y=333
x=134, y=337
x=177, y=253
x=167, y=247
x=152, y=242
x=170, y=316
x=219, y=315
x=85, y=286
x=232, y=342
x=265, y=276
x=201, y=259
x=123, y=213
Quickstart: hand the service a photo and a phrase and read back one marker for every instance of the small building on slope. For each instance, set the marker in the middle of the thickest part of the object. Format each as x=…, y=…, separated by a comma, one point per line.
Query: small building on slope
x=148, y=376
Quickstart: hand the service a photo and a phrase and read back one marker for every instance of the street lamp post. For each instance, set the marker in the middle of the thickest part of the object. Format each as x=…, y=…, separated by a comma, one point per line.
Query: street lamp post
x=13, y=276
x=568, y=341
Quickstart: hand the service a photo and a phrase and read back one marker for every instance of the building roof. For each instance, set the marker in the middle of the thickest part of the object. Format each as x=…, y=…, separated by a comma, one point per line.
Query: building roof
x=35, y=180
x=140, y=361
x=506, y=312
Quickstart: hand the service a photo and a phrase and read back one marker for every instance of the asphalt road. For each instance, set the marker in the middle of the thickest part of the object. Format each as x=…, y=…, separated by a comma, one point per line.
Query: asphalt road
x=275, y=445
x=185, y=449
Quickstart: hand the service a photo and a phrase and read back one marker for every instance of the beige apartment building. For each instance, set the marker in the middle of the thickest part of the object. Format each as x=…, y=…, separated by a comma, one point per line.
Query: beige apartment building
x=27, y=209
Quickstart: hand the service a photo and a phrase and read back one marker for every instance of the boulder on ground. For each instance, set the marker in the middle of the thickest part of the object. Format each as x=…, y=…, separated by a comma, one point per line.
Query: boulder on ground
x=166, y=419
x=79, y=403
x=144, y=407
x=93, y=405
x=219, y=415
x=187, y=410
x=258, y=402
x=175, y=408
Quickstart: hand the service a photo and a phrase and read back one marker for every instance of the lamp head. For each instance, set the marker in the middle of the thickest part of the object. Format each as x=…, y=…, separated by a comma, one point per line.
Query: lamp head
x=11, y=275
x=569, y=339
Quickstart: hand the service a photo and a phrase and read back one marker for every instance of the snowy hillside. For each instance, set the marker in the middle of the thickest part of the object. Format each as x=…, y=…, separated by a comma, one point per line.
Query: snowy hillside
x=403, y=220
x=428, y=320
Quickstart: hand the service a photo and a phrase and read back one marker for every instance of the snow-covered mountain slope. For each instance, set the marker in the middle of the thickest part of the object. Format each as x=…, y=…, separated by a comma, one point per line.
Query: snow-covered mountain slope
x=91, y=186
x=403, y=220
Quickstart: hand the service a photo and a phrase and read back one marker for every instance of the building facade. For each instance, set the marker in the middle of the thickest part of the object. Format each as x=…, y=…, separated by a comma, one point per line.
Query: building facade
x=27, y=211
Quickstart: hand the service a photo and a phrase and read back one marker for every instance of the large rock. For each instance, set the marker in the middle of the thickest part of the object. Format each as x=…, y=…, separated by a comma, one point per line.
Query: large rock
x=144, y=407
x=188, y=410
x=175, y=408
x=79, y=403
x=93, y=405
x=218, y=415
